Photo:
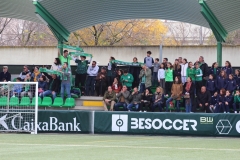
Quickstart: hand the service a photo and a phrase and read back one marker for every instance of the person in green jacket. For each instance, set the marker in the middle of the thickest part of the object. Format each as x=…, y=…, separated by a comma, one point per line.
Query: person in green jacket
x=168, y=78
x=127, y=79
x=198, y=78
x=191, y=71
x=236, y=102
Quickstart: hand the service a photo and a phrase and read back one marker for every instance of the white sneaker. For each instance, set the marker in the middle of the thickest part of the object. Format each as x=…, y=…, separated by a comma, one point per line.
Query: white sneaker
x=129, y=111
x=235, y=111
x=224, y=112
x=144, y=111
x=140, y=111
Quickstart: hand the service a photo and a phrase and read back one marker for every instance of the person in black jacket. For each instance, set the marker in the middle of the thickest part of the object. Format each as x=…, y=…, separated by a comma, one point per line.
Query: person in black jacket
x=189, y=89
x=211, y=85
x=5, y=74
x=204, y=67
x=135, y=71
x=53, y=87
x=204, y=99
x=111, y=71
x=146, y=101
x=214, y=70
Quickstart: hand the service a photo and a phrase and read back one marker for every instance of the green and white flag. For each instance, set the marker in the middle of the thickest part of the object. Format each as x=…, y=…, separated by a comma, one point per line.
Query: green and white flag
x=139, y=64
x=70, y=47
x=80, y=54
x=50, y=71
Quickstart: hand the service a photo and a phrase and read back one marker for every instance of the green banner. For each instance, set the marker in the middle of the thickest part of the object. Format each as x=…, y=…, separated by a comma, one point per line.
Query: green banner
x=127, y=63
x=80, y=54
x=70, y=47
x=50, y=71
x=167, y=123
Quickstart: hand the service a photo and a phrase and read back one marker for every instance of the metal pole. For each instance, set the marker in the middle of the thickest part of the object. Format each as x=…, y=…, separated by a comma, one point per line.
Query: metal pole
x=219, y=53
x=160, y=53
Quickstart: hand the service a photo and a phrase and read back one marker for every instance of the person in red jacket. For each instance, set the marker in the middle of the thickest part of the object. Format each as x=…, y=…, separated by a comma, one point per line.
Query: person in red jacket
x=116, y=86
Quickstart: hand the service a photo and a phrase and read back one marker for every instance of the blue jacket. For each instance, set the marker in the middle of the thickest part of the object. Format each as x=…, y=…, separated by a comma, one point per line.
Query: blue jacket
x=211, y=85
x=214, y=100
x=237, y=79
x=228, y=99
x=211, y=71
x=220, y=99
x=220, y=82
x=228, y=70
x=230, y=85
x=43, y=85
x=17, y=88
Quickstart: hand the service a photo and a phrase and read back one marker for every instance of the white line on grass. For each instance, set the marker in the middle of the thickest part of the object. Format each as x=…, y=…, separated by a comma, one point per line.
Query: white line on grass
x=131, y=147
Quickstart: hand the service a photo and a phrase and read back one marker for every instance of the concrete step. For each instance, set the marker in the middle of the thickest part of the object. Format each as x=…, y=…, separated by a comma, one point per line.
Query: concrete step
x=89, y=101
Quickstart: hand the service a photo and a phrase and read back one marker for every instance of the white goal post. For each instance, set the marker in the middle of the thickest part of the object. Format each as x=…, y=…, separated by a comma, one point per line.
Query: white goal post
x=19, y=107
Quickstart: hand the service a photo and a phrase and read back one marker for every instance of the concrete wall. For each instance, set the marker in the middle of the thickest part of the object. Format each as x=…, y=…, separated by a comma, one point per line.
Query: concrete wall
x=46, y=55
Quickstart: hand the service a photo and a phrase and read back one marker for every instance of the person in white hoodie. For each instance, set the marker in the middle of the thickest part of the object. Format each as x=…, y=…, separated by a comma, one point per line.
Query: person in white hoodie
x=184, y=67
x=90, y=82
x=161, y=76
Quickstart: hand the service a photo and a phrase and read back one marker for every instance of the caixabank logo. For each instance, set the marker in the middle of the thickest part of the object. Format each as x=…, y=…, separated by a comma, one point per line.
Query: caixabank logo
x=120, y=122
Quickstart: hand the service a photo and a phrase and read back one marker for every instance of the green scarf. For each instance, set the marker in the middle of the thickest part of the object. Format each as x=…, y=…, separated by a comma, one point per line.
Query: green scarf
x=50, y=71
x=127, y=63
x=64, y=77
x=80, y=54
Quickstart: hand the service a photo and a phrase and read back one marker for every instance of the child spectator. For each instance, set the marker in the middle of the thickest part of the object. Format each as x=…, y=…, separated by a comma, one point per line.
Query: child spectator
x=161, y=76
x=221, y=98
x=191, y=72
x=101, y=82
x=168, y=78
x=236, y=102
x=149, y=60
x=56, y=65
x=3, y=88
x=146, y=77
x=109, y=99
x=184, y=68
x=156, y=66
x=198, y=78
x=214, y=70
x=66, y=80
x=158, y=99
x=116, y=86
x=146, y=101
x=127, y=79
x=211, y=85
x=17, y=88
x=237, y=78
x=214, y=102
x=230, y=84
x=176, y=69
x=42, y=84
x=228, y=68
x=189, y=89
x=227, y=101
x=27, y=87
x=221, y=80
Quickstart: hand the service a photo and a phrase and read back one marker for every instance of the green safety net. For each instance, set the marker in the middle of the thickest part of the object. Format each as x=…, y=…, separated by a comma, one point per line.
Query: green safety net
x=70, y=47
x=127, y=63
x=80, y=54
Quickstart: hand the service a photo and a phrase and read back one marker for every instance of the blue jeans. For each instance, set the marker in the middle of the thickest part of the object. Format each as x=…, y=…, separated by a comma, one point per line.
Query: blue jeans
x=188, y=106
x=157, y=104
x=129, y=107
x=90, y=82
x=65, y=87
x=142, y=87
x=120, y=104
x=47, y=93
x=169, y=100
x=155, y=79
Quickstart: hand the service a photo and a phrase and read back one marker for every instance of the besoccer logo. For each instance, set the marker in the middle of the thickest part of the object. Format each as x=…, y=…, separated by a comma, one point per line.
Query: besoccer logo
x=223, y=126
x=120, y=122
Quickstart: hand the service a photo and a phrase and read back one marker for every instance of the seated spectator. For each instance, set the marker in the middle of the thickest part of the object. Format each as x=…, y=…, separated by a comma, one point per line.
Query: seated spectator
x=120, y=73
x=27, y=88
x=109, y=99
x=127, y=80
x=189, y=89
x=91, y=79
x=221, y=97
x=123, y=99
x=214, y=103
x=5, y=74
x=135, y=99
x=176, y=93
x=146, y=101
x=214, y=70
x=227, y=101
x=42, y=84
x=17, y=88
x=158, y=99
x=24, y=73
x=230, y=84
x=53, y=86
x=236, y=102
x=66, y=80
x=101, y=82
x=211, y=85
x=35, y=75
x=116, y=86
x=4, y=88
x=56, y=65
x=145, y=78
x=204, y=99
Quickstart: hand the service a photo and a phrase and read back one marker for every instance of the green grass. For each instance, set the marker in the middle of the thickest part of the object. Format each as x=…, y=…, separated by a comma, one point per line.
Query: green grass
x=116, y=147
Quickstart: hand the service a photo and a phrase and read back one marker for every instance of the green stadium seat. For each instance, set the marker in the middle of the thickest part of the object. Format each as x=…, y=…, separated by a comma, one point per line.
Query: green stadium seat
x=58, y=102
x=3, y=101
x=14, y=101
x=33, y=101
x=69, y=103
x=25, y=101
x=46, y=102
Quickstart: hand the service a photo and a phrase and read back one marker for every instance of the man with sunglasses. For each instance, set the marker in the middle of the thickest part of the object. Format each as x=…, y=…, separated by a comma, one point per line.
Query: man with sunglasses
x=91, y=79
x=5, y=74
x=24, y=73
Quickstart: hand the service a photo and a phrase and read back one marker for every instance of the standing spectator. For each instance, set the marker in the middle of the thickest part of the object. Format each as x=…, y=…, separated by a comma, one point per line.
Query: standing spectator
x=119, y=74
x=221, y=97
x=230, y=84
x=221, y=80
x=101, y=82
x=146, y=101
x=168, y=78
x=198, y=78
x=158, y=99
x=149, y=60
x=204, y=99
x=228, y=68
x=180, y=60
x=214, y=70
x=211, y=84
x=237, y=78
x=24, y=73
x=81, y=72
x=111, y=71
x=191, y=72
x=123, y=99
x=42, y=84
x=161, y=76
x=5, y=74
x=227, y=101
x=90, y=82
x=176, y=93
x=214, y=103
x=109, y=99
x=135, y=99
x=36, y=74
x=127, y=79
x=135, y=71
x=156, y=66
x=204, y=67
x=66, y=80
x=176, y=69
x=116, y=86
x=165, y=61
x=189, y=89
x=145, y=76
x=184, y=68
x=56, y=65
x=65, y=57
x=27, y=89
x=236, y=102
